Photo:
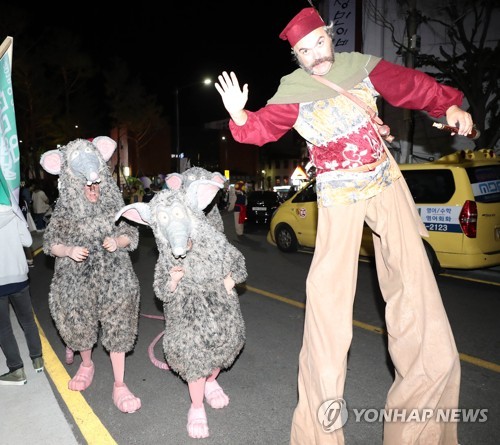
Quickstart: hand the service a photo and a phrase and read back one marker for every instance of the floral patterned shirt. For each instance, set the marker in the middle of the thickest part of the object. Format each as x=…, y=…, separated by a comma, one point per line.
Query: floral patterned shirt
x=340, y=135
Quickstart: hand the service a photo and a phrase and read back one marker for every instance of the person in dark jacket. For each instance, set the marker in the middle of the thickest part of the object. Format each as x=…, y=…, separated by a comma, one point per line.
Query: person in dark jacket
x=15, y=291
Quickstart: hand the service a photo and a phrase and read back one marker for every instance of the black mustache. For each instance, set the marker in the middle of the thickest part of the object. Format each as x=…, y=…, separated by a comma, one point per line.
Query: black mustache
x=323, y=59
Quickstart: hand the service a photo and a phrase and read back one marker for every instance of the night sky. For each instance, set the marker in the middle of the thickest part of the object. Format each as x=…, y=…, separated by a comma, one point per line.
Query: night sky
x=190, y=41
x=212, y=36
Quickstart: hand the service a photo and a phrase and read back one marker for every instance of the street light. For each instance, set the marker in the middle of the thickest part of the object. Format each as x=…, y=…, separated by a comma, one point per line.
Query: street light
x=206, y=81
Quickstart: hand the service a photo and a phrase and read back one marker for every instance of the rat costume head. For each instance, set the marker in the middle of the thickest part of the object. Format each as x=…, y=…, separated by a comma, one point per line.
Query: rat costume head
x=174, y=214
x=85, y=182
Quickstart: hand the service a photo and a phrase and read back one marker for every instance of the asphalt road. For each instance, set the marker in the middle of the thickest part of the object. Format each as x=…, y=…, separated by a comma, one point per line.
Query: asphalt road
x=262, y=382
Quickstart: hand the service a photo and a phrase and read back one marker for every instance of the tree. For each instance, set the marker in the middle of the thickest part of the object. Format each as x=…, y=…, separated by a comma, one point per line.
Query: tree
x=55, y=97
x=131, y=107
x=469, y=61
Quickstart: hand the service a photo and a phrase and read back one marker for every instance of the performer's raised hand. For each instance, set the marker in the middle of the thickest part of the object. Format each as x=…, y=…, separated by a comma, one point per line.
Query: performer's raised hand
x=233, y=97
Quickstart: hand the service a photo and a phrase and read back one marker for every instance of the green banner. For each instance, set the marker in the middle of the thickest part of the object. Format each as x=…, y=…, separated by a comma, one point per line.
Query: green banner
x=10, y=175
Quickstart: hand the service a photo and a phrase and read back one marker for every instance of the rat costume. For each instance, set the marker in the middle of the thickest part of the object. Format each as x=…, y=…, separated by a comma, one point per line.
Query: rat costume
x=99, y=294
x=204, y=326
x=357, y=182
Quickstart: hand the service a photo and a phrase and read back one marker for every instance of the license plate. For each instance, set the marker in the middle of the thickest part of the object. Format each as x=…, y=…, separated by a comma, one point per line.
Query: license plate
x=259, y=208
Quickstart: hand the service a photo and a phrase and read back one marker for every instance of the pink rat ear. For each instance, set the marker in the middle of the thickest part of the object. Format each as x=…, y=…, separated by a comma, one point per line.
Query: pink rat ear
x=200, y=193
x=174, y=181
x=105, y=145
x=218, y=177
x=51, y=162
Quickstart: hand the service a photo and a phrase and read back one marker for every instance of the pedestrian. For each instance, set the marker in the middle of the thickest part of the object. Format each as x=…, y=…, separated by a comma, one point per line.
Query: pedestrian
x=358, y=181
x=41, y=205
x=135, y=195
x=240, y=208
x=148, y=195
x=25, y=203
x=94, y=292
x=15, y=291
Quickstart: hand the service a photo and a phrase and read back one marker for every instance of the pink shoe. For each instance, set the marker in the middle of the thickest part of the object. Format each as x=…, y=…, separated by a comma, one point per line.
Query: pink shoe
x=82, y=379
x=197, y=425
x=215, y=395
x=124, y=400
x=69, y=355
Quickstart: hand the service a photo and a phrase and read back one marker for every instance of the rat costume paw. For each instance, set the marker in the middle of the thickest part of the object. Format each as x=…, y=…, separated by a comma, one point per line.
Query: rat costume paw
x=215, y=395
x=197, y=425
x=124, y=400
x=82, y=379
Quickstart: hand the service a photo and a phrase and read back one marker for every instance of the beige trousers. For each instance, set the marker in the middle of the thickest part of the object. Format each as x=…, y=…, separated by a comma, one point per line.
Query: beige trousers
x=421, y=343
x=238, y=227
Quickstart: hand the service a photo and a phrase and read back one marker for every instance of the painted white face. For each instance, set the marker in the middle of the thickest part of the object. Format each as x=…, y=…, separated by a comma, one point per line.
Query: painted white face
x=315, y=52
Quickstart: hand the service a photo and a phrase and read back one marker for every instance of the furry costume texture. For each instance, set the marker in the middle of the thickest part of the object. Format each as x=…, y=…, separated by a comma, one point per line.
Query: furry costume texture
x=176, y=180
x=103, y=290
x=204, y=327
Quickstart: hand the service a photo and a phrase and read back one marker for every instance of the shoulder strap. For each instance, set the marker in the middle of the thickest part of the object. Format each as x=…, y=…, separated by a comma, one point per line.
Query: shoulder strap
x=370, y=111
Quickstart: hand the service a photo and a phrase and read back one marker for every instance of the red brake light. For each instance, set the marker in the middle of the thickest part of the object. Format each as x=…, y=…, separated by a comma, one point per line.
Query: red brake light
x=468, y=219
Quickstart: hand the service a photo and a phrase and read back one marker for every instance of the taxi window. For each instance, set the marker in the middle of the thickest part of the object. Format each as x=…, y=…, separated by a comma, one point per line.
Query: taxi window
x=308, y=194
x=430, y=186
x=485, y=182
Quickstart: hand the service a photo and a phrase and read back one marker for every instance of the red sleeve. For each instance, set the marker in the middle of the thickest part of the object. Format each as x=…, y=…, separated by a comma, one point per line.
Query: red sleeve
x=413, y=89
x=265, y=125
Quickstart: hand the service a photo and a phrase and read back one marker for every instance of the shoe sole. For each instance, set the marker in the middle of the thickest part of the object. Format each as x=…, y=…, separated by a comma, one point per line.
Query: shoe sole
x=13, y=383
x=37, y=362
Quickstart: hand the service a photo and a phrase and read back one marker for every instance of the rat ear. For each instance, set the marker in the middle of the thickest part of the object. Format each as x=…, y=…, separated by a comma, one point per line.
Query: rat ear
x=138, y=212
x=218, y=177
x=201, y=193
x=105, y=145
x=174, y=181
x=51, y=162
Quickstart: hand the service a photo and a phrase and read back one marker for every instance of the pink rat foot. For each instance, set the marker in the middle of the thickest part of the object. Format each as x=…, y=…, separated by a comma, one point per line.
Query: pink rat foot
x=70, y=355
x=197, y=425
x=82, y=379
x=124, y=400
x=215, y=395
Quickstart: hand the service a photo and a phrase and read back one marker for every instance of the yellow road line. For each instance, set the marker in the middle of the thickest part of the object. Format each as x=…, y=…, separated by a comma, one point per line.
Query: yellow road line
x=89, y=424
x=368, y=327
x=479, y=362
x=476, y=280
x=276, y=297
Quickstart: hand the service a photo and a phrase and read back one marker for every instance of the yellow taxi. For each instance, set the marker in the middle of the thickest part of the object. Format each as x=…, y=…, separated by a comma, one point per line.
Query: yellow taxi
x=458, y=199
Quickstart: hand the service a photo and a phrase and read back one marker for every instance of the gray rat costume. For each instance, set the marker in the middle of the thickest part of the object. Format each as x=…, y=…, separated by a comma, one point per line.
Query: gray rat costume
x=184, y=179
x=204, y=327
x=102, y=291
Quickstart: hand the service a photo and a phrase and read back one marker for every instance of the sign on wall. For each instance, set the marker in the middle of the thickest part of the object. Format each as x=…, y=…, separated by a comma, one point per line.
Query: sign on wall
x=342, y=13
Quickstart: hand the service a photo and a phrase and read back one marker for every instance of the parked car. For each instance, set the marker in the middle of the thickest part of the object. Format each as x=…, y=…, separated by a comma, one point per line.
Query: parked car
x=285, y=191
x=261, y=205
x=458, y=199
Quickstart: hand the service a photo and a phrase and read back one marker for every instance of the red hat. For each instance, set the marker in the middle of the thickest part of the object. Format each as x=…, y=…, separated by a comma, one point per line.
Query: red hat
x=302, y=24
